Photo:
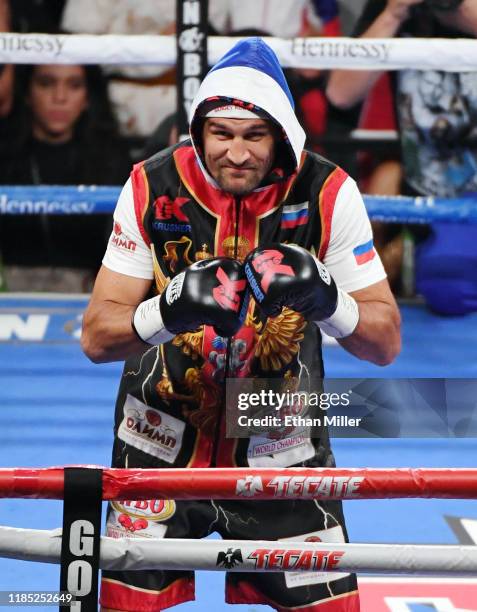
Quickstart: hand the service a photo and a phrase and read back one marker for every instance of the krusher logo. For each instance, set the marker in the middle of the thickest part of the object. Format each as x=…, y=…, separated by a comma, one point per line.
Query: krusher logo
x=165, y=208
x=268, y=264
x=227, y=293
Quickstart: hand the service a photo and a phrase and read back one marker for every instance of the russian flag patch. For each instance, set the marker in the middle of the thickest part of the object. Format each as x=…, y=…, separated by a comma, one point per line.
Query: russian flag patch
x=294, y=215
x=364, y=252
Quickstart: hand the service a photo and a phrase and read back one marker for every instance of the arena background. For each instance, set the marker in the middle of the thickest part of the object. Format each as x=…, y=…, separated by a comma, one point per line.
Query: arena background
x=57, y=409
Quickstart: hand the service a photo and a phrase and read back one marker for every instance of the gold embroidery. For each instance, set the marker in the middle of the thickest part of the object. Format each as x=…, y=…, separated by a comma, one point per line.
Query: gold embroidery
x=159, y=276
x=280, y=340
x=203, y=254
x=190, y=342
x=171, y=257
x=243, y=247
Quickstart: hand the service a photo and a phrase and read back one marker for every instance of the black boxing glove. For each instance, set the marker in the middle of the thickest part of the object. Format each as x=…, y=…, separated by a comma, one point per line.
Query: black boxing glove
x=208, y=292
x=283, y=275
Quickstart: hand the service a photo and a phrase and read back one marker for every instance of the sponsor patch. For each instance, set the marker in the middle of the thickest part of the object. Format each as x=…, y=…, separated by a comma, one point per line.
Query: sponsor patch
x=364, y=252
x=298, y=579
x=166, y=209
x=139, y=518
x=121, y=240
x=265, y=452
x=172, y=227
x=152, y=431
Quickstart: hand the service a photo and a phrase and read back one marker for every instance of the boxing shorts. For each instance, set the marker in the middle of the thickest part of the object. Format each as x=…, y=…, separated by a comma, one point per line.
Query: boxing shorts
x=299, y=520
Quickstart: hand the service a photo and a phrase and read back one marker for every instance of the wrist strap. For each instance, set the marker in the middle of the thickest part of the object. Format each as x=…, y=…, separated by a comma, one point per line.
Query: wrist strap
x=147, y=322
x=344, y=320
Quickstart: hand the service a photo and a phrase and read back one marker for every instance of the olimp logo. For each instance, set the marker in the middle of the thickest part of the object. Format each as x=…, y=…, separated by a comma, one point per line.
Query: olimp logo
x=190, y=43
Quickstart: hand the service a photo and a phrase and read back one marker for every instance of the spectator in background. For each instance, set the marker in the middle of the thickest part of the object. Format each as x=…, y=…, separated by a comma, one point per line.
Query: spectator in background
x=286, y=19
x=36, y=15
x=437, y=114
x=62, y=133
x=6, y=70
x=142, y=95
x=380, y=173
x=324, y=124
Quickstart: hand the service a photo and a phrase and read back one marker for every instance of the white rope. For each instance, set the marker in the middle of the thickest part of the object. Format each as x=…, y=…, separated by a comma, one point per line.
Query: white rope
x=245, y=555
x=454, y=55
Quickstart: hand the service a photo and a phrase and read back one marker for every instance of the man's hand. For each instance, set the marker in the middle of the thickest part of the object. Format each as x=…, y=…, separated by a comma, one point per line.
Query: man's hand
x=209, y=292
x=400, y=9
x=348, y=87
x=283, y=275
x=463, y=18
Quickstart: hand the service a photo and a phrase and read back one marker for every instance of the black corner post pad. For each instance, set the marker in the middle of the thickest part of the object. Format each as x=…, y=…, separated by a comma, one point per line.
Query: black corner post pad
x=191, y=65
x=83, y=493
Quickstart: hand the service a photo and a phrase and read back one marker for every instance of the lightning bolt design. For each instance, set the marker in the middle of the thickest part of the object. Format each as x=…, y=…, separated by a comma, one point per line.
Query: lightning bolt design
x=149, y=376
x=302, y=365
x=325, y=514
x=217, y=513
x=138, y=371
x=228, y=516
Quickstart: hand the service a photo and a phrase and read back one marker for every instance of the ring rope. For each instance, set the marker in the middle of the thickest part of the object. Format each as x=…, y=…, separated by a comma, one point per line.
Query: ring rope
x=174, y=554
x=454, y=55
x=92, y=199
x=257, y=483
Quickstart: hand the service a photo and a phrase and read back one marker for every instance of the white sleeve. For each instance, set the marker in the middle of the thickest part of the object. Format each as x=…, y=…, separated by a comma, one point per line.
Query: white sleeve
x=351, y=257
x=127, y=252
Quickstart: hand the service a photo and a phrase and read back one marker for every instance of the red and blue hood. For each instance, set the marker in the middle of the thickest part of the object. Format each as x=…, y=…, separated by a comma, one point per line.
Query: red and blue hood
x=251, y=73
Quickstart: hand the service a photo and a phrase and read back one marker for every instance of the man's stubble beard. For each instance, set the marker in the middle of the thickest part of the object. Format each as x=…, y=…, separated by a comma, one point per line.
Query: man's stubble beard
x=236, y=190
x=246, y=187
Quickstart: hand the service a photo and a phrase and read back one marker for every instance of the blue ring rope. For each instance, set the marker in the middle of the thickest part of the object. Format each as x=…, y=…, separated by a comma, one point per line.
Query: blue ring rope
x=91, y=199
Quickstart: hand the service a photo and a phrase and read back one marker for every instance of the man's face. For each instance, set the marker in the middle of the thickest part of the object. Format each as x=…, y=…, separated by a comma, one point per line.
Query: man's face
x=239, y=153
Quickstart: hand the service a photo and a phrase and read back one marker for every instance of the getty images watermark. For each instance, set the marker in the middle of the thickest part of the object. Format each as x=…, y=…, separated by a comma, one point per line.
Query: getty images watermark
x=286, y=414
x=276, y=409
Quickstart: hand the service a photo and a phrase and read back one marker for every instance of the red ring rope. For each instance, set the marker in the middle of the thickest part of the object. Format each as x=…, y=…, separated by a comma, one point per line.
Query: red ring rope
x=256, y=483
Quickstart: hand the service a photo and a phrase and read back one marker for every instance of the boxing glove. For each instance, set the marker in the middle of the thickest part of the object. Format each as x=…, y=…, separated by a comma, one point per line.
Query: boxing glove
x=284, y=275
x=208, y=292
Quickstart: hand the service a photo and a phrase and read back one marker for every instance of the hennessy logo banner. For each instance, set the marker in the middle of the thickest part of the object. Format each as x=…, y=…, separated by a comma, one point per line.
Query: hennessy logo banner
x=194, y=48
x=282, y=413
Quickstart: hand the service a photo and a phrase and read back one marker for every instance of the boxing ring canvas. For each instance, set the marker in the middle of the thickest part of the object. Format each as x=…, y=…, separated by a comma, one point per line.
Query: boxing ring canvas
x=57, y=409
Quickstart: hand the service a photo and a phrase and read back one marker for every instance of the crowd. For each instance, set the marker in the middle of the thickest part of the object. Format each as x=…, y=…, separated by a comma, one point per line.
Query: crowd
x=84, y=125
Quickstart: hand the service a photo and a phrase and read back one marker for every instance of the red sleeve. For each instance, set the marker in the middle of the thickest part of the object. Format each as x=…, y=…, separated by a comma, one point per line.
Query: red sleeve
x=326, y=203
x=140, y=186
